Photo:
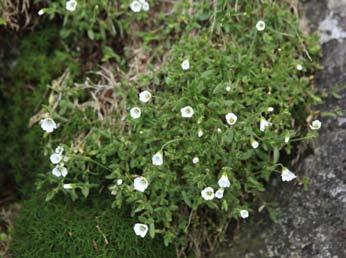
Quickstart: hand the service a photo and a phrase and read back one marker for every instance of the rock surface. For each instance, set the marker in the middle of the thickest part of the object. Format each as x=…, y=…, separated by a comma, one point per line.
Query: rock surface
x=312, y=223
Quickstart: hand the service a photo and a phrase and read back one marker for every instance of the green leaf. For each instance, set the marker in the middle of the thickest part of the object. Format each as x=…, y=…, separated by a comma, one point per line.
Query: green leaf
x=276, y=155
x=152, y=230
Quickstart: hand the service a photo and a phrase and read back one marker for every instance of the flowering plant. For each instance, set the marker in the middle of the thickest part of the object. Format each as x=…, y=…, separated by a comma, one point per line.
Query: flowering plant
x=190, y=144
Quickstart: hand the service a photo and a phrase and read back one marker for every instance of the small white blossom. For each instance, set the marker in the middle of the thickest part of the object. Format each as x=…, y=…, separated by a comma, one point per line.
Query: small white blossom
x=59, y=150
x=231, y=118
x=48, y=125
x=287, y=138
x=71, y=5
x=270, y=109
x=219, y=193
x=145, y=6
x=287, y=175
x=187, y=112
x=254, y=144
x=135, y=112
x=145, y=96
x=299, y=67
x=59, y=170
x=55, y=158
x=140, y=183
x=260, y=26
x=315, y=125
x=136, y=6
x=219, y=130
x=119, y=182
x=157, y=159
x=140, y=229
x=228, y=88
x=244, y=214
x=195, y=160
x=207, y=193
x=200, y=133
x=41, y=12
x=113, y=189
x=185, y=65
x=68, y=186
x=224, y=181
x=264, y=124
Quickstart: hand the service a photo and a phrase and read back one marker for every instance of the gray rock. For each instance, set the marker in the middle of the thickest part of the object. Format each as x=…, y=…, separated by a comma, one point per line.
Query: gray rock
x=312, y=223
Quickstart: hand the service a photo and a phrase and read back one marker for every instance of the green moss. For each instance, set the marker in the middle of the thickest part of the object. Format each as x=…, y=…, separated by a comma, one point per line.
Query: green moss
x=40, y=60
x=79, y=229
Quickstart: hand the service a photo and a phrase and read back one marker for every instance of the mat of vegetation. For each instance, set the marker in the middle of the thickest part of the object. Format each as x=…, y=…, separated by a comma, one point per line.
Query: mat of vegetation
x=180, y=111
x=87, y=229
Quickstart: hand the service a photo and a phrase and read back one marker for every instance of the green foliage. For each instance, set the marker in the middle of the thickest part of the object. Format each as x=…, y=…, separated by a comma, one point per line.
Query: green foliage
x=234, y=68
x=84, y=229
x=40, y=59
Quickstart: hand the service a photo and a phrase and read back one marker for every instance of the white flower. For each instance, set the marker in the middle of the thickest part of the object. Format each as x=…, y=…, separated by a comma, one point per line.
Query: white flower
x=315, y=125
x=119, y=182
x=244, y=214
x=287, y=175
x=264, y=124
x=185, y=65
x=145, y=96
x=71, y=5
x=136, y=6
x=207, y=193
x=231, y=118
x=299, y=67
x=200, y=133
x=254, y=144
x=68, y=186
x=195, y=160
x=219, y=130
x=135, y=112
x=113, y=189
x=55, y=158
x=41, y=12
x=140, y=229
x=187, y=112
x=140, y=183
x=228, y=88
x=157, y=159
x=219, y=193
x=59, y=170
x=145, y=6
x=48, y=125
x=270, y=109
x=59, y=150
x=224, y=181
x=287, y=138
x=260, y=26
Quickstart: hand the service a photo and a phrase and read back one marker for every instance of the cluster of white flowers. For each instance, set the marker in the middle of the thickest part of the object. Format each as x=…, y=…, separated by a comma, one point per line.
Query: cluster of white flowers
x=208, y=192
x=139, y=5
x=57, y=158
